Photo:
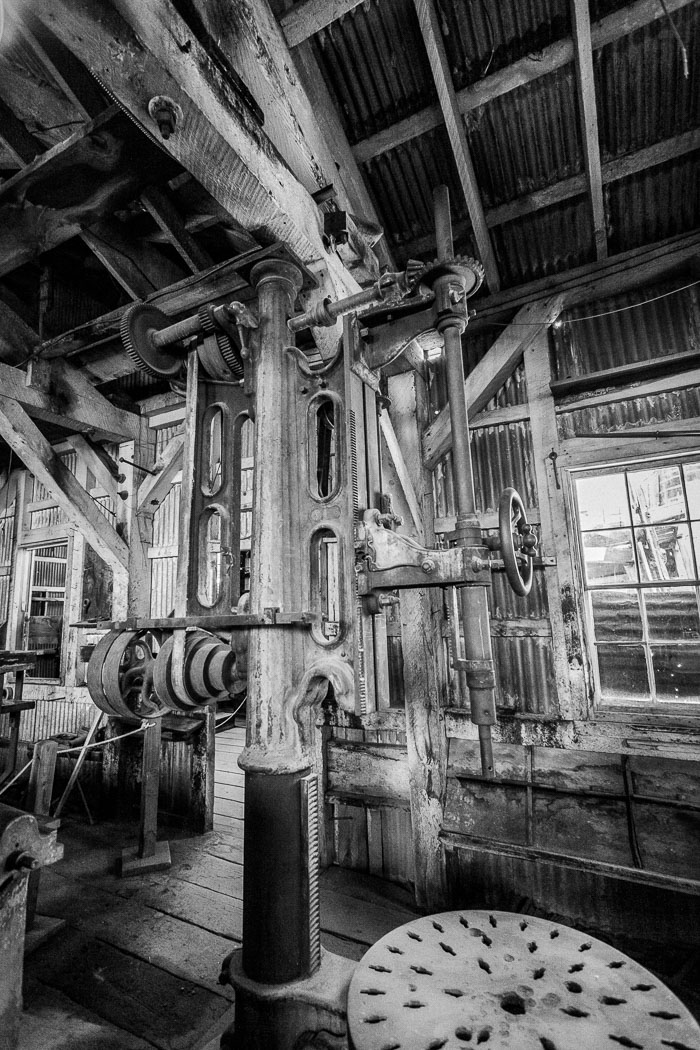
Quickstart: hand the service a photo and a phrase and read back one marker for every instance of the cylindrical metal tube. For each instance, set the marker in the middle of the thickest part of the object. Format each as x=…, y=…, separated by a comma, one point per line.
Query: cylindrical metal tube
x=443, y=223
x=174, y=333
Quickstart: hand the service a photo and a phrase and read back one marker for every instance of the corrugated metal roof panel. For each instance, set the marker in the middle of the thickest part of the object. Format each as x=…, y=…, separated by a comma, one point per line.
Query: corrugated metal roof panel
x=546, y=242
x=402, y=181
x=654, y=204
x=627, y=331
x=526, y=139
x=486, y=35
x=502, y=457
x=627, y=415
x=375, y=65
x=641, y=93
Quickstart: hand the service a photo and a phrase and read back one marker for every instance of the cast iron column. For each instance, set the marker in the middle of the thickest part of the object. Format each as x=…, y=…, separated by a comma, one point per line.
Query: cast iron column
x=276, y=921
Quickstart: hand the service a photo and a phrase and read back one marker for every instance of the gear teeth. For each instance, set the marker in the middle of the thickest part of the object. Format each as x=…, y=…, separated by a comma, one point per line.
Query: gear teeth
x=132, y=352
x=226, y=349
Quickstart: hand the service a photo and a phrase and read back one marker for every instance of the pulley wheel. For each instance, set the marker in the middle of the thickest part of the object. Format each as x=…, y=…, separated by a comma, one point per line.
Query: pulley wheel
x=514, y=531
x=163, y=678
x=94, y=673
x=139, y=324
x=127, y=677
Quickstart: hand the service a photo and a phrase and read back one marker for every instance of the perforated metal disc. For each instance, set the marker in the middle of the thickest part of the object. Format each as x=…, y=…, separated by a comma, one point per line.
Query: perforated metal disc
x=501, y=980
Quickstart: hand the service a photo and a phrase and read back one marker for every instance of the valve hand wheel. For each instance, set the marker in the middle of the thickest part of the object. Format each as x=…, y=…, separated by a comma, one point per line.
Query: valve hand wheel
x=518, y=542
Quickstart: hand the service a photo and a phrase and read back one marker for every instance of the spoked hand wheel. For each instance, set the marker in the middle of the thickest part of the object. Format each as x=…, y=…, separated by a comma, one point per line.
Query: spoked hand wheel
x=518, y=542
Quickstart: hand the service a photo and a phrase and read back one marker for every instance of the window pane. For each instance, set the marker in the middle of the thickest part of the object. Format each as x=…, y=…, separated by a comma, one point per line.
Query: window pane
x=664, y=553
x=692, y=488
x=677, y=671
x=609, y=557
x=656, y=495
x=672, y=612
x=617, y=616
x=602, y=501
x=623, y=672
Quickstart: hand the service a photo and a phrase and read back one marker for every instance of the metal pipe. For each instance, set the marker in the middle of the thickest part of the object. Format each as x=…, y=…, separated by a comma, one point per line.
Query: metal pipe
x=473, y=600
x=174, y=333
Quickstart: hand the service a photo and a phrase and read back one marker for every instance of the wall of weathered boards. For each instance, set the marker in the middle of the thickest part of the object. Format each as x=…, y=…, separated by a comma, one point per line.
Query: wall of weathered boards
x=592, y=795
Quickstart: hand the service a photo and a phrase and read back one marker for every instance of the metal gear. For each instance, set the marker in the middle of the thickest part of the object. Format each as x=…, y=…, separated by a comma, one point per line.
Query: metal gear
x=137, y=327
x=462, y=266
x=229, y=352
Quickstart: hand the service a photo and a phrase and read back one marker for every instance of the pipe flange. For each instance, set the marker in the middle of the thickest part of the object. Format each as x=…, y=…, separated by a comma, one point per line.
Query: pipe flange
x=138, y=325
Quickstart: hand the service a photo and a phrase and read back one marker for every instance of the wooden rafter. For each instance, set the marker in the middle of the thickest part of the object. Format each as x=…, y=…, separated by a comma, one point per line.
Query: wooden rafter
x=17, y=339
x=69, y=400
x=155, y=487
x=137, y=266
x=561, y=53
x=97, y=461
x=435, y=46
x=489, y=375
x=161, y=208
x=309, y=17
x=588, y=111
x=31, y=447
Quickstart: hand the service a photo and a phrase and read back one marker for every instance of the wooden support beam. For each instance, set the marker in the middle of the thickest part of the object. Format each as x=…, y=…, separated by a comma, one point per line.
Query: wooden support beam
x=31, y=447
x=17, y=339
x=437, y=56
x=23, y=146
x=489, y=375
x=560, y=53
x=71, y=402
x=166, y=215
x=597, y=280
x=94, y=459
x=588, y=111
x=139, y=268
x=560, y=577
x=64, y=69
x=310, y=16
x=155, y=487
x=403, y=476
x=217, y=132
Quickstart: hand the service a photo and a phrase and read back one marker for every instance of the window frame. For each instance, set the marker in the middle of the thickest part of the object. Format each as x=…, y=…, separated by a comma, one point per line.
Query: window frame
x=611, y=708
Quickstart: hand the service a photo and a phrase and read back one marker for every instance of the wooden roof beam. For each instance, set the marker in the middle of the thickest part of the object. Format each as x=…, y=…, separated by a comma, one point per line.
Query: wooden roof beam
x=491, y=372
x=63, y=396
x=561, y=53
x=139, y=267
x=31, y=447
x=310, y=16
x=588, y=114
x=161, y=208
x=437, y=55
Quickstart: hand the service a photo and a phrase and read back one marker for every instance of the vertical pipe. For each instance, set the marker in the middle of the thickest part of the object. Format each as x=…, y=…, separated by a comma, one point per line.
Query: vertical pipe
x=473, y=600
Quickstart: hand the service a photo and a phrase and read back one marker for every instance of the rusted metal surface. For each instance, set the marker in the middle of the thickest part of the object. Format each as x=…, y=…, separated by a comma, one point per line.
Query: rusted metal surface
x=499, y=977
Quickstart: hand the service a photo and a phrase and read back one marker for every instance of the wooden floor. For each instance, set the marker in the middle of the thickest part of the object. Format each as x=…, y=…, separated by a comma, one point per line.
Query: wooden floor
x=137, y=963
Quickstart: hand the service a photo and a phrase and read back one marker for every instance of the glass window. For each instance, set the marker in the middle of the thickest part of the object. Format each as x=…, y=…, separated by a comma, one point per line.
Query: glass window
x=640, y=544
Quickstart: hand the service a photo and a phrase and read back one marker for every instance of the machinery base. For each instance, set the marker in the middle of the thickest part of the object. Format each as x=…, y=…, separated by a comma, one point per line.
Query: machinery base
x=132, y=864
x=278, y=1016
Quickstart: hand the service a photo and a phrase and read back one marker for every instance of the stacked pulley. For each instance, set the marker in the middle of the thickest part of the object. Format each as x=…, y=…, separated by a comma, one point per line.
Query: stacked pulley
x=134, y=674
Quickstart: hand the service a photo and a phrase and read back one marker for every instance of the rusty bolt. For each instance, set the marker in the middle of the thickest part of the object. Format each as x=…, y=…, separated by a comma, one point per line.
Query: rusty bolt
x=166, y=113
x=428, y=566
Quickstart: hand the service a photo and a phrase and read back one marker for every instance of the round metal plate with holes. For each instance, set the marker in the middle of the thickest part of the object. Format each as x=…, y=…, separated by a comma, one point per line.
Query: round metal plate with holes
x=138, y=325
x=501, y=980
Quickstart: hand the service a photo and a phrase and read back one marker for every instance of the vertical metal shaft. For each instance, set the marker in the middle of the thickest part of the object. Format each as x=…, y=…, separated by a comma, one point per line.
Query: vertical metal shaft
x=473, y=600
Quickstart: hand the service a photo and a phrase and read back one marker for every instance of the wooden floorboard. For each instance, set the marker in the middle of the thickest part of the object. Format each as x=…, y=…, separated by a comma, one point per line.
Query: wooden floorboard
x=141, y=956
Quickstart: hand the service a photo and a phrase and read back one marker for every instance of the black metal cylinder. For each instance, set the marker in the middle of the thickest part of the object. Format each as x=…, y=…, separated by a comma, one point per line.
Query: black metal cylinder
x=276, y=921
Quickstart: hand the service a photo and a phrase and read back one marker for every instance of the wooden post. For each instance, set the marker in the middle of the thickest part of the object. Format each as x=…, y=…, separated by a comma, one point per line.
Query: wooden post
x=41, y=777
x=149, y=855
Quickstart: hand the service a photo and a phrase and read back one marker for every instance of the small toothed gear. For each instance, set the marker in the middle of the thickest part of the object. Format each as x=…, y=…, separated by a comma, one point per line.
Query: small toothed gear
x=225, y=346
x=138, y=325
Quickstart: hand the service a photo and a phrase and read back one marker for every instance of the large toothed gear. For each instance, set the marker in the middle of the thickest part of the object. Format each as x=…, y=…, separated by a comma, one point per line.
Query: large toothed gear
x=139, y=324
x=226, y=345
x=469, y=271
